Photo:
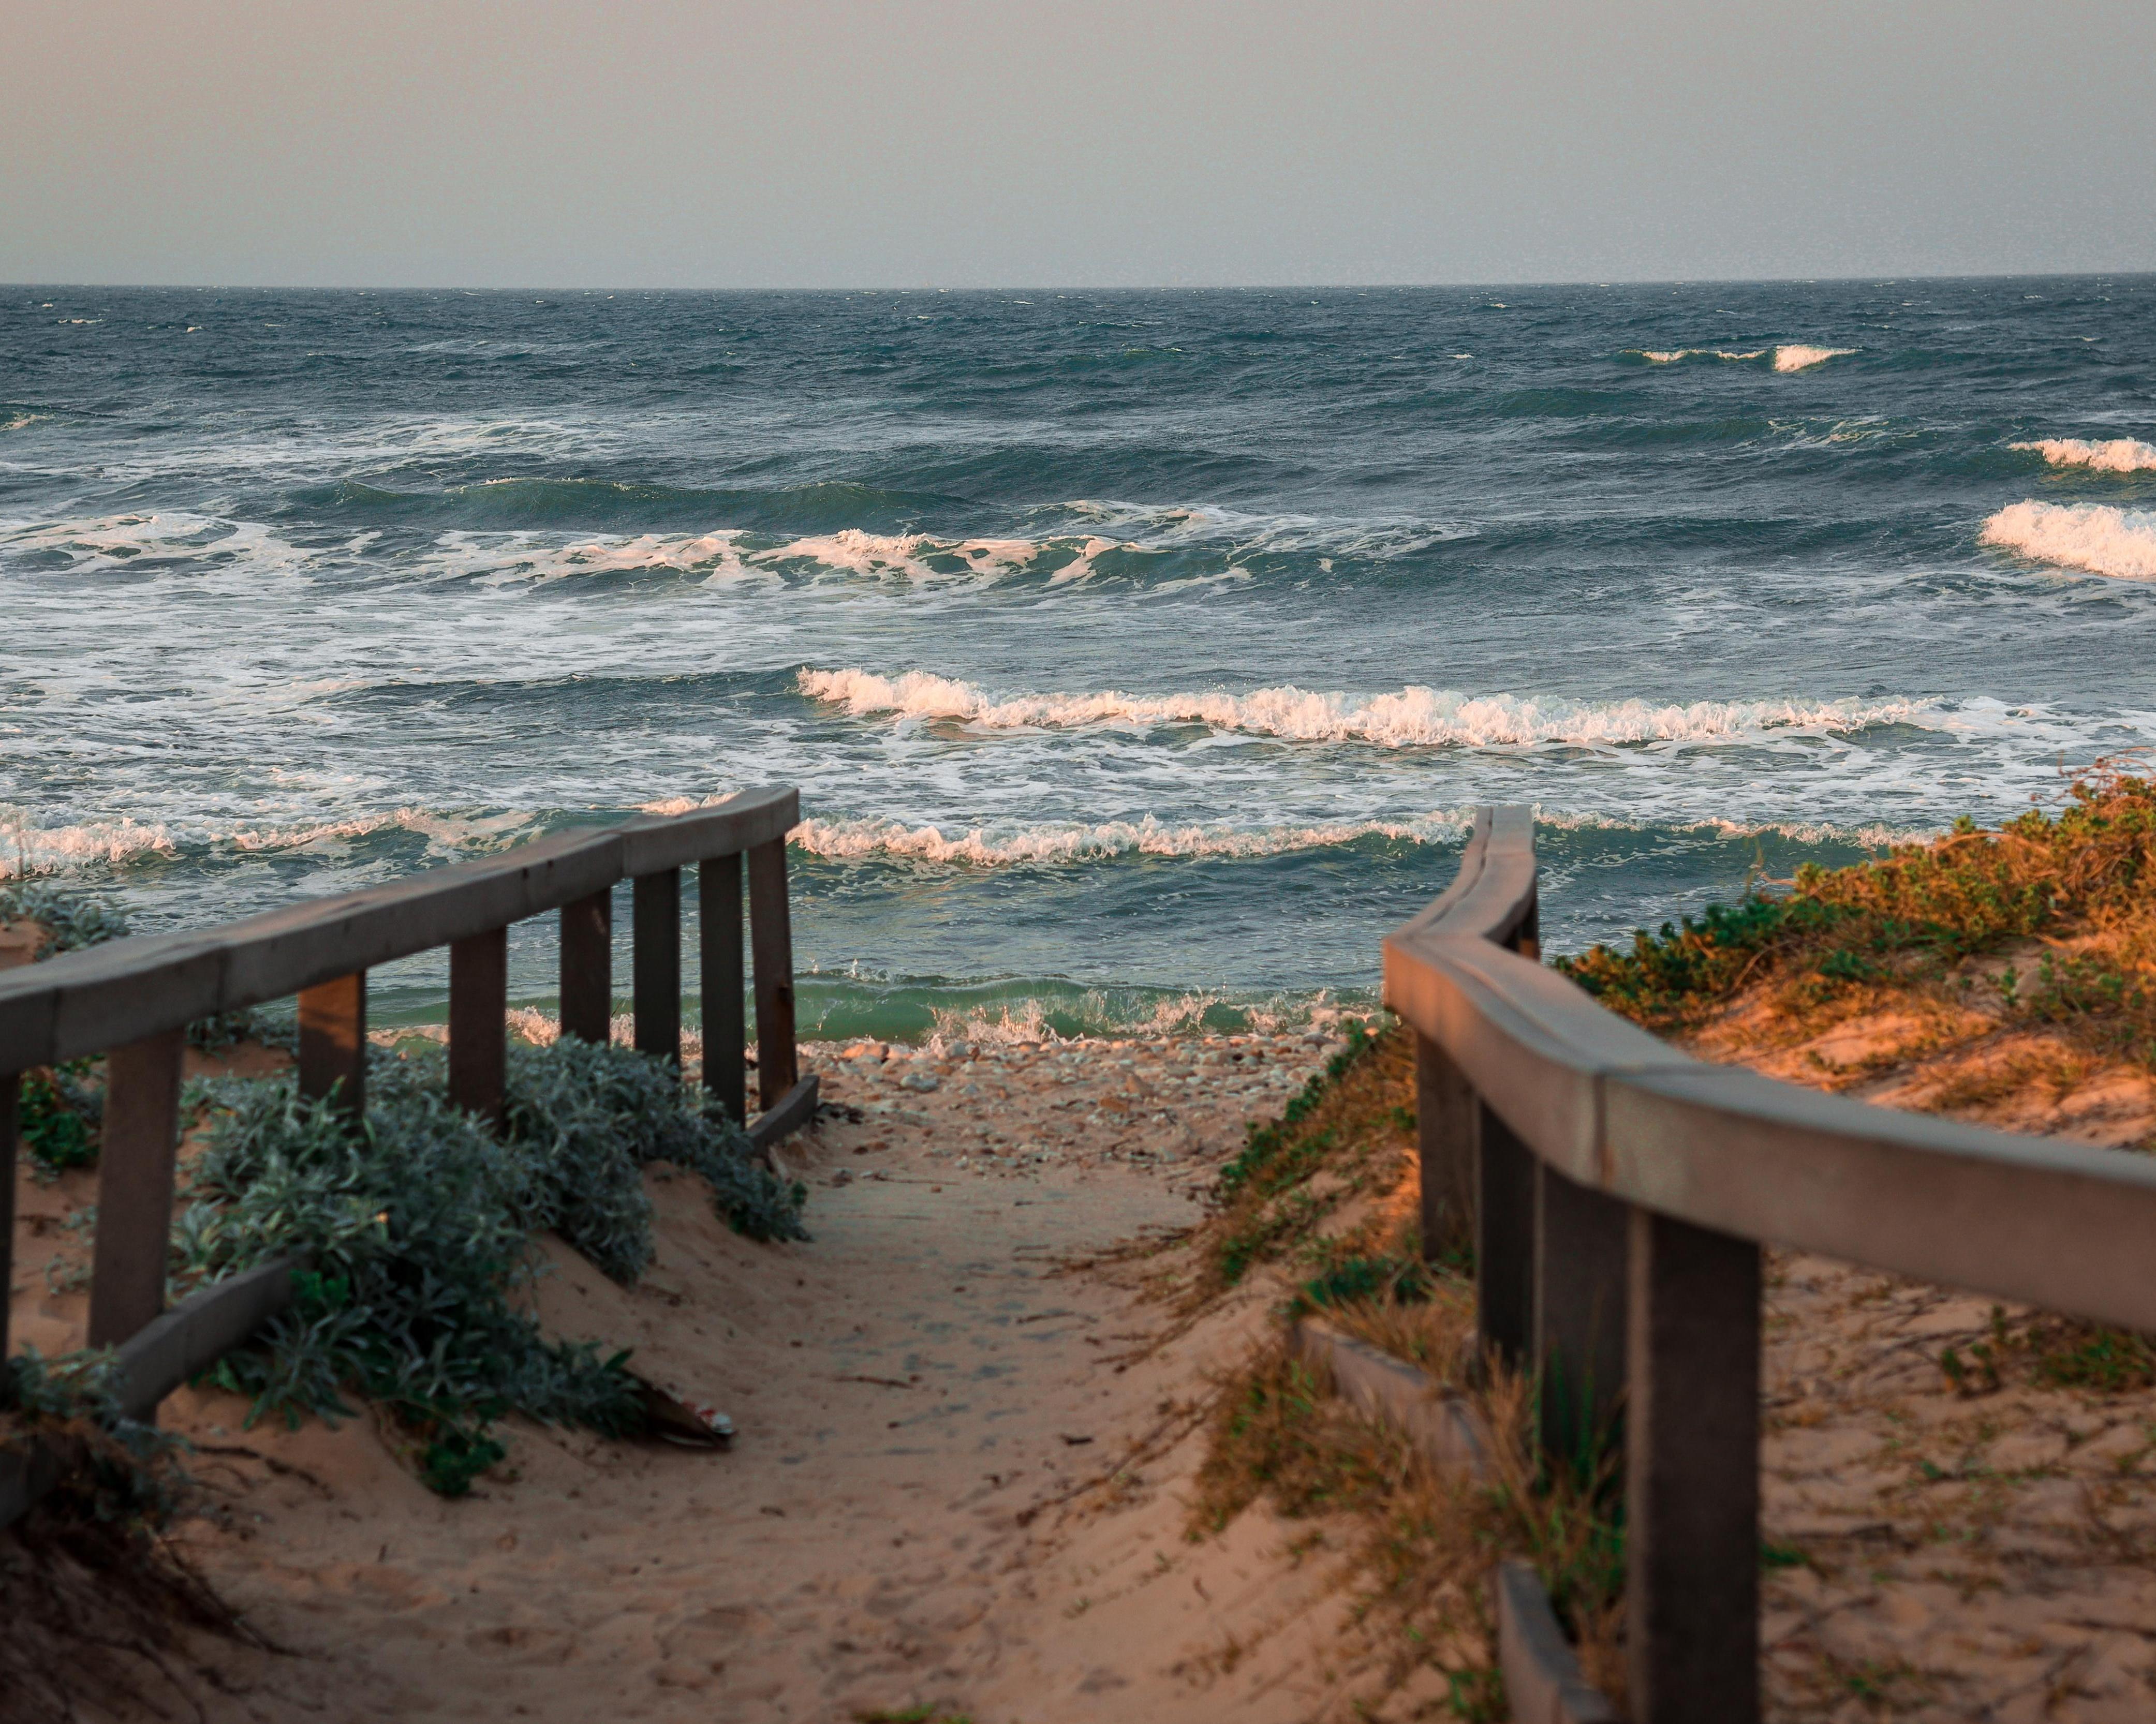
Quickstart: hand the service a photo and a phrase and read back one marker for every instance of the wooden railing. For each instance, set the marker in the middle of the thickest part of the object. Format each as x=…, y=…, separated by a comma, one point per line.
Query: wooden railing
x=133, y=999
x=1616, y=1193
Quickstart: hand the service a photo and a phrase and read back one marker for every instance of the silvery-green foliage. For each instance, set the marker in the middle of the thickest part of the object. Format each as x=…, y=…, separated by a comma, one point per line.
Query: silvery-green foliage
x=417, y=1226
x=73, y=918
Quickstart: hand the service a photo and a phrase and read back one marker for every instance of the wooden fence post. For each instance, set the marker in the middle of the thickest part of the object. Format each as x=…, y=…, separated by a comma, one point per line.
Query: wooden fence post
x=1527, y=941
x=479, y=1002
x=657, y=963
x=1504, y=1242
x=1692, y=1587
x=11, y=1088
x=135, y=1186
x=771, y=936
x=1447, y=1114
x=719, y=935
x=333, y=1042
x=588, y=968
x=1580, y=1298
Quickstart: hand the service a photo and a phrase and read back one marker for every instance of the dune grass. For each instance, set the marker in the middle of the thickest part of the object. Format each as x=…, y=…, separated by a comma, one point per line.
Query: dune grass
x=2059, y=901
x=1319, y=1198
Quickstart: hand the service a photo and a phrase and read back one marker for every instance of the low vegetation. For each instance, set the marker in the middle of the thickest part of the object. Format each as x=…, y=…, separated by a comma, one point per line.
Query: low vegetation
x=1324, y=1198
x=2060, y=902
x=417, y=1227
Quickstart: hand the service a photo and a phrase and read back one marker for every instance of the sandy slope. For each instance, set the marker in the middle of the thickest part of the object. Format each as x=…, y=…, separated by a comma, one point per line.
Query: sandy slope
x=962, y=1433
x=1985, y=1552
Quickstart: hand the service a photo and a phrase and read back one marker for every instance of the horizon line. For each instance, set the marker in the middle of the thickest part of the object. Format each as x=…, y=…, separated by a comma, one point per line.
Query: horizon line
x=1878, y=279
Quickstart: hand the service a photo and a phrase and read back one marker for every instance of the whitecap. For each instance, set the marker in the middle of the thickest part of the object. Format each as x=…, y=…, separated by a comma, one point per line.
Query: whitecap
x=1790, y=356
x=1796, y=357
x=1409, y=717
x=1010, y=843
x=2098, y=537
x=2117, y=454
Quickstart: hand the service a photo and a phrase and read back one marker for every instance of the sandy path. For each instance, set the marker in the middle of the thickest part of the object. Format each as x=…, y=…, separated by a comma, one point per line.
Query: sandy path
x=929, y=1398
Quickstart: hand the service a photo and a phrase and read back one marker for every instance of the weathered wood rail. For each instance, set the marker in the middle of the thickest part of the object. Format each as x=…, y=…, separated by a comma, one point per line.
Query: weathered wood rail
x=132, y=1000
x=1617, y=1193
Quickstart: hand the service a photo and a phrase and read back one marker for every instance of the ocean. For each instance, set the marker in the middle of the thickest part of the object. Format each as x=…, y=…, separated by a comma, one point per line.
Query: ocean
x=1140, y=656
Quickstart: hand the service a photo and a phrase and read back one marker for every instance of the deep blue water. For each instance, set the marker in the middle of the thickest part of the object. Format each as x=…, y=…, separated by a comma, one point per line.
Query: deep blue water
x=1130, y=649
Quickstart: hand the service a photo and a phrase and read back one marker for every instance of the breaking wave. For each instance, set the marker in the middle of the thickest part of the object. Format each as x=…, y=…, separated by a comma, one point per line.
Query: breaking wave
x=2095, y=536
x=1003, y=845
x=2118, y=455
x=1793, y=357
x=1409, y=717
x=26, y=847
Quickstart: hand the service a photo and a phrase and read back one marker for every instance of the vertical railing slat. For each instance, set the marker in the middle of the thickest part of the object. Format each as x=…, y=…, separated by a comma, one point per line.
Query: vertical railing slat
x=135, y=1186
x=1504, y=1242
x=719, y=964
x=1447, y=1116
x=588, y=968
x=1692, y=1588
x=333, y=1042
x=656, y=963
x=1580, y=1298
x=771, y=936
x=479, y=1003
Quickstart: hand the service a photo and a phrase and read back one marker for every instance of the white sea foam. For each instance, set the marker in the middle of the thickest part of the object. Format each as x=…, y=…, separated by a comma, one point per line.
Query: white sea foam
x=116, y=541
x=2118, y=455
x=1799, y=358
x=1670, y=356
x=1003, y=845
x=2095, y=536
x=1793, y=356
x=26, y=846
x=1408, y=717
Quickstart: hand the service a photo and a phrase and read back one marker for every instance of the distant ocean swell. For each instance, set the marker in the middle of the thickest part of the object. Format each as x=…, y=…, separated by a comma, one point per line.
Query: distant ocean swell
x=1154, y=544
x=1409, y=717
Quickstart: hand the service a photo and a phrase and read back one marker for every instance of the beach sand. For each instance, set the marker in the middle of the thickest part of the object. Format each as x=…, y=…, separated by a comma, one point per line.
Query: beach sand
x=958, y=1482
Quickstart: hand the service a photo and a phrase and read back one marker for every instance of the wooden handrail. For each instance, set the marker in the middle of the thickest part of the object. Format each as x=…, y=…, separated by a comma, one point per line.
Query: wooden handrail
x=1616, y=1191
x=133, y=998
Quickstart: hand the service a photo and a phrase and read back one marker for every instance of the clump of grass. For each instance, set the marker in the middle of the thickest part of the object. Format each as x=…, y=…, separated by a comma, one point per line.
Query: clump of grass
x=1912, y=916
x=58, y=1112
x=1348, y=1125
x=1382, y=1277
x=419, y=1226
x=1421, y=1542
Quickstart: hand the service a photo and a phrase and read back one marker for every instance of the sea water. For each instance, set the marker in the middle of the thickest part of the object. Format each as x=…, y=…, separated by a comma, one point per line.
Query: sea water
x=1140, y=657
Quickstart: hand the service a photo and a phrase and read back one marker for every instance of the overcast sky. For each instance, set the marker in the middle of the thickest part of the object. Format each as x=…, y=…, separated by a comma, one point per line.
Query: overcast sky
x=1097, y=142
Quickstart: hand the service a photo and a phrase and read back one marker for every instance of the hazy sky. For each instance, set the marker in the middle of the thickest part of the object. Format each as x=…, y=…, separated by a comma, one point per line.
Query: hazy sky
x=828, y=143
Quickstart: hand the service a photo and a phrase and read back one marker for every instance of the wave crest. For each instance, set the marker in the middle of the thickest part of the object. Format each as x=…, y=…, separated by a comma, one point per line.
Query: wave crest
x=1792, y=356
x=1002, y=846
x=1409, y=717
x=2118, y=455
x=2098, y=537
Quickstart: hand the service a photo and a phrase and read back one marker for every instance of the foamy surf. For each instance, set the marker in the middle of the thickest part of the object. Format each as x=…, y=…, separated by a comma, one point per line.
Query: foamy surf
x=1003, y=846
x=2120, y=543
x=29, y=847
x=1409, y=717
x=2117, y=454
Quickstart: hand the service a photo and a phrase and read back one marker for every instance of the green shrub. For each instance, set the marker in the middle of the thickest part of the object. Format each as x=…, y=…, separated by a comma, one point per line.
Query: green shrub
x=71, y=918
x=56, y=1115
x=418, y=1227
